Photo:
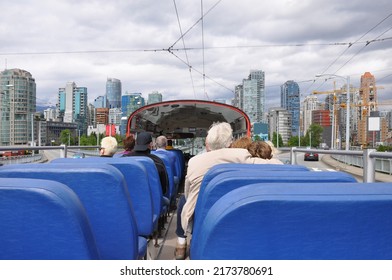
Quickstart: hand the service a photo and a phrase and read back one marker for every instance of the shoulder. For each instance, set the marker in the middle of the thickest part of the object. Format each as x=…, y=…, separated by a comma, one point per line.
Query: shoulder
x=257, y=160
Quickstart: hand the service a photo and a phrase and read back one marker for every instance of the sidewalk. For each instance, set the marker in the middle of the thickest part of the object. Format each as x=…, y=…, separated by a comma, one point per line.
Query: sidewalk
x=356, y=171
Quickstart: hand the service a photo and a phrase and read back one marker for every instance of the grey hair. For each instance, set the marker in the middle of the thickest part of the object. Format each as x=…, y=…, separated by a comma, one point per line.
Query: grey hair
x=161, y=142
x=110, y=145
x=220, y=135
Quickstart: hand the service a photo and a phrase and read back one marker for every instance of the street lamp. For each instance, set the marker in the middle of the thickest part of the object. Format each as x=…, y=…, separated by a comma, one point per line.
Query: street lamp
x=347, y=78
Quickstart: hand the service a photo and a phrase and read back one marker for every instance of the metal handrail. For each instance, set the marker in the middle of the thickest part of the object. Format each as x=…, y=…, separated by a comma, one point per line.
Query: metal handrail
x=369, y=155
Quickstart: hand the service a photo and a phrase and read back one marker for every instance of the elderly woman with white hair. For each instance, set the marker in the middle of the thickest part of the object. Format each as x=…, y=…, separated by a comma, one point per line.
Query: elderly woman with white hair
x=108, y=147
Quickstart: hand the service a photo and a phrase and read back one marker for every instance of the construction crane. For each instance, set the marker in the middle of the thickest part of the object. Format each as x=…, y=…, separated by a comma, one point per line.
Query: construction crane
x=367, y=104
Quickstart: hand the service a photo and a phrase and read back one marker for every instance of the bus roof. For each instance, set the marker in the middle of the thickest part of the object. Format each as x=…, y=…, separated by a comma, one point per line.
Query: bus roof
x=178, y=119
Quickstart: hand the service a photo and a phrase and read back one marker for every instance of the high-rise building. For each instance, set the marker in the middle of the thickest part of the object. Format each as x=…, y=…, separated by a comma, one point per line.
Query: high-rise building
x=279, y=121
x=290, y=100
x=73, y=105
x=238, y=96
x=131, y=102
x=17, y=106
x=113, y=93
x=310, y=104
x=252, y=101
x=368, y=100
x=154, y=97
x=100, y=102
x=115, y=115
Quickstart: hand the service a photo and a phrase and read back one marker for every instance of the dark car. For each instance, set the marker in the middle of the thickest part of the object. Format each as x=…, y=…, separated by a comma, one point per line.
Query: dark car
x=311, y=156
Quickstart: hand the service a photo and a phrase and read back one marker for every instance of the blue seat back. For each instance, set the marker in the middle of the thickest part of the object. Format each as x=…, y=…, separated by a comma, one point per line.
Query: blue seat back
x=135, y=175
x=43, y=220
x=102, y=190
x=227, y=167
x=180, y=162
x=170, y=169
x=324, y=221
x=228, y=181
x=155, y=183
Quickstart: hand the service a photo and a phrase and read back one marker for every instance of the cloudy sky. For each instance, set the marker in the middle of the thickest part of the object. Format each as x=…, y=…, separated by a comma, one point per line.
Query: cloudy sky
x=168, y=46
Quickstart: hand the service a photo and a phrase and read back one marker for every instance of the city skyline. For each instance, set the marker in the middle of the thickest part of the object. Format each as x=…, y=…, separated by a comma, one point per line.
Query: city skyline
x=91, y=41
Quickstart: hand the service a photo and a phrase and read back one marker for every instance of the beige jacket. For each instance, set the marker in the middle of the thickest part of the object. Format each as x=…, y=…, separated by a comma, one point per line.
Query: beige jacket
x=200, y=164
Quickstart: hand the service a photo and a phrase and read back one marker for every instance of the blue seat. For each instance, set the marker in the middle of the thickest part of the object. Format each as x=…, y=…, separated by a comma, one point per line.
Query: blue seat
x=160, y=201
x=43, y=220
x=226, y=167
x=170, y=169
x=104, y=194
x=225, y=182
x=180, y=162
x=135, y=175
x=296, y=221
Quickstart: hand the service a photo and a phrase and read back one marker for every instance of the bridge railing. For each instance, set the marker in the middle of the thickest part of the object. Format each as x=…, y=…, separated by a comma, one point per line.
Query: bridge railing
x=368, y=156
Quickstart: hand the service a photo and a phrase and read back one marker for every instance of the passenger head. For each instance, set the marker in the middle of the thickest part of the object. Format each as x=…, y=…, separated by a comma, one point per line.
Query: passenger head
x=129, y=143
x=220, y=135
x=108, y=146
x=242, y=142
x=275, y=151
x=161, y=142
x=143, y=142
x=260, y=149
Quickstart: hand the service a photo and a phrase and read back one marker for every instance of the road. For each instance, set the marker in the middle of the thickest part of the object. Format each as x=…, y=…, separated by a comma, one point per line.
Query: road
x=319, y=165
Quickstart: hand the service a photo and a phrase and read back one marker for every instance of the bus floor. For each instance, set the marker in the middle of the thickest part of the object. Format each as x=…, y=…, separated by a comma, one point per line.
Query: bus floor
x=167, y=241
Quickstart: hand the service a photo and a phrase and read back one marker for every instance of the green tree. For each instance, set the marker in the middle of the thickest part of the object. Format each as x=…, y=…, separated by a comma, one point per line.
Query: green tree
x=280, y=141
x=293, y=141
x=65, y=137
x=313, y=135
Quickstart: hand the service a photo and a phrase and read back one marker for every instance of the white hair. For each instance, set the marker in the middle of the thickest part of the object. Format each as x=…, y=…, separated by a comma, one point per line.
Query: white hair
x=220, y=135
x=161, y=142
x=110, y=145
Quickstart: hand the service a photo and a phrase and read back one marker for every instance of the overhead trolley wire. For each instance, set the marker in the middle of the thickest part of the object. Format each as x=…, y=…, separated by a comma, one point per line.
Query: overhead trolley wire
x=186, y=53
x=202, y=43
x=377, y=39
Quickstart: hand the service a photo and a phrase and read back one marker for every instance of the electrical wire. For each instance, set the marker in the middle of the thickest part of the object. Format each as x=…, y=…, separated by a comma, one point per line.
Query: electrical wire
x=186, y=53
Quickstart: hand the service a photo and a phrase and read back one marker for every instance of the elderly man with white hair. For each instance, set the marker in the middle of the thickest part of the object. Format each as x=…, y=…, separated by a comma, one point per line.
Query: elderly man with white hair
x=218, y=141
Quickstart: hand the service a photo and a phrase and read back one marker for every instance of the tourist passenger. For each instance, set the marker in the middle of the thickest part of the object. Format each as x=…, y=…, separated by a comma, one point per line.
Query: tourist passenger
x=129, y=144
x=242, y=142
x=143, y=147
x=218, y=141
x=108, y=147
x=260, y=149
x=161, y=144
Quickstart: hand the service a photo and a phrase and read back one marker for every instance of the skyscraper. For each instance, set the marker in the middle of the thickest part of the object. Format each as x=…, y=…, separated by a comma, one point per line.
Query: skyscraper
x=289, y=99
x=17, y=104
x=279, y=121
x=154, y=97
x=113, y=93
x=253, y=96
x=72, y=105
x=368, y=100
x=131, y=102
x=310, y=104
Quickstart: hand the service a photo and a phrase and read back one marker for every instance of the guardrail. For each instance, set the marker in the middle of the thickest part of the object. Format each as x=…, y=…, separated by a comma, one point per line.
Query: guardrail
x=368, y=155
x=368, y=158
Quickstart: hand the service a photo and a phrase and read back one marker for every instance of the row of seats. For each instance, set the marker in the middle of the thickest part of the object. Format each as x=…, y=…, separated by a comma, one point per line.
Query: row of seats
x=119, y=201
x=289, y=212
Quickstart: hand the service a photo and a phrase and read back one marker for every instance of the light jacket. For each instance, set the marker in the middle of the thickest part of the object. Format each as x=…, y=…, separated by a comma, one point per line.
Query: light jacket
x=200, y=164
